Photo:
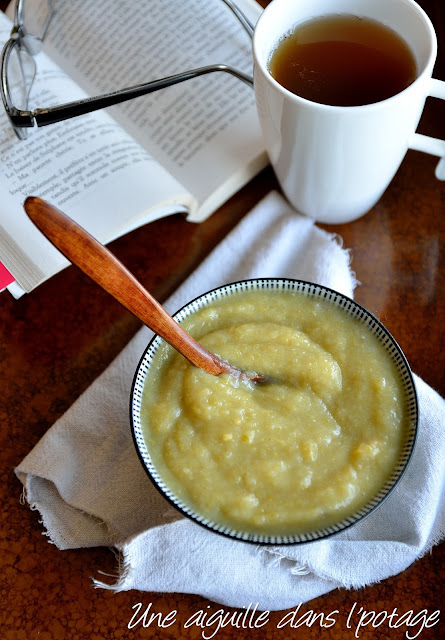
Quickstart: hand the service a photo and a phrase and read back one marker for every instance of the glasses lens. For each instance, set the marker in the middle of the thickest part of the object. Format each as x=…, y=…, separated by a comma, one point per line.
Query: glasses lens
x=34, y=17
x=20, y=72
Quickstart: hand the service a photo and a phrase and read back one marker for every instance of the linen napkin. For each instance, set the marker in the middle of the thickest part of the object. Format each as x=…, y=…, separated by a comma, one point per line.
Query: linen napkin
x=86, y=480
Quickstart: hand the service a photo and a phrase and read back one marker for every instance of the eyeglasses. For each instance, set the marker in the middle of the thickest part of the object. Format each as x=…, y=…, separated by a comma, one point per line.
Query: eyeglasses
x=18, y=70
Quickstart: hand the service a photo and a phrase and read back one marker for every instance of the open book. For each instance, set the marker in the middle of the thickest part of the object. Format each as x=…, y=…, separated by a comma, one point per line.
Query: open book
x=186, y=148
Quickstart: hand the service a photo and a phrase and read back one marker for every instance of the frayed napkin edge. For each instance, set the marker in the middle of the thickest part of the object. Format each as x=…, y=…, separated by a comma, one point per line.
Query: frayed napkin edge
x=273, y=556
x=56, y=538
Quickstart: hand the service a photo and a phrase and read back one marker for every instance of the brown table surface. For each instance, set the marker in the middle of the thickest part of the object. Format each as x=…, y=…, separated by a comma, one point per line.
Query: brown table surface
x=57, y=340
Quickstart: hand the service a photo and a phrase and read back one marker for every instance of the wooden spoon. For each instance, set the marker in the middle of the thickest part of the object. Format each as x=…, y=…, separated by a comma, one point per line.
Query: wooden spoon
x=107, y=271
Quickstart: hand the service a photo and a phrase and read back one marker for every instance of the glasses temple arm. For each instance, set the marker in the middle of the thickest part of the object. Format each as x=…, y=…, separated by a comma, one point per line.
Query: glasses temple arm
x=80, y=107
x=49, y=17
x=248, y=26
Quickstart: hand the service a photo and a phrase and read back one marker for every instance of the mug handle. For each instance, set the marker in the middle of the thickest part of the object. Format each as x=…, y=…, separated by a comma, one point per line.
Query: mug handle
x=433, y=146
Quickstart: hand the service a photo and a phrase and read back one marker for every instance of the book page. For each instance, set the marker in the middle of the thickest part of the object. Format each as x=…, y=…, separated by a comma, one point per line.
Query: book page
x=88, y=167
x=204, y=131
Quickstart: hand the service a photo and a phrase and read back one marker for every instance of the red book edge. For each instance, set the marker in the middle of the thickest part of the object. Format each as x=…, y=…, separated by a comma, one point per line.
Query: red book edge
x=6, y=278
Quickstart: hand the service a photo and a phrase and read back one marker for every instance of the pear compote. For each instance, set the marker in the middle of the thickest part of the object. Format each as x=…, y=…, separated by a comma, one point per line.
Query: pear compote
x=293, y=455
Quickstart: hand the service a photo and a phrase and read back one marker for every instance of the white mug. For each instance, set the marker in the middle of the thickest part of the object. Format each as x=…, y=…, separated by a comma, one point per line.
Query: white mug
x=334, y=163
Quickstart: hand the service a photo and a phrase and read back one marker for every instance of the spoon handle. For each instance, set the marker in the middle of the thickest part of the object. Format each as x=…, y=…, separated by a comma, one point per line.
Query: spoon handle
x=106, y=270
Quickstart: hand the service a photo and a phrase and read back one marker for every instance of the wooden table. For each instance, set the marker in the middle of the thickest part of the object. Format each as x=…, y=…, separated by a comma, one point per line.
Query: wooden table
x=55, y=341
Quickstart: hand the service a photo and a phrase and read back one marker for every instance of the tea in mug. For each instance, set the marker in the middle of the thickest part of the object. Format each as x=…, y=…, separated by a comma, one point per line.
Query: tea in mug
x=343, y=60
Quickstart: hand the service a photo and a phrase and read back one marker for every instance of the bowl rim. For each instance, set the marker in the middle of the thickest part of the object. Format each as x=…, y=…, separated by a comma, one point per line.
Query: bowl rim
x=363, y=314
